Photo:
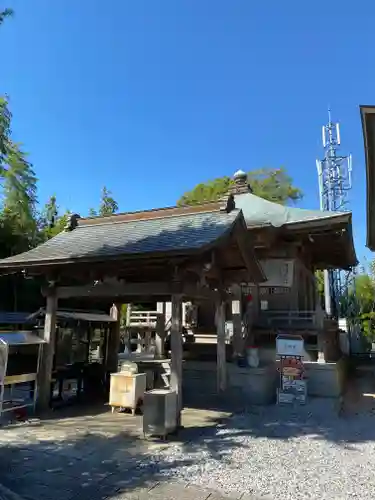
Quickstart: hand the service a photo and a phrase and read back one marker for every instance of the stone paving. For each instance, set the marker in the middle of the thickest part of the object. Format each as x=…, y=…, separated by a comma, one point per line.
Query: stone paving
x=94, y=456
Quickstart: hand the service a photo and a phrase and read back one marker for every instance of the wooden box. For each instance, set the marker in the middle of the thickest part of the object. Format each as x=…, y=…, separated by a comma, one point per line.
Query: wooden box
x=127, y=390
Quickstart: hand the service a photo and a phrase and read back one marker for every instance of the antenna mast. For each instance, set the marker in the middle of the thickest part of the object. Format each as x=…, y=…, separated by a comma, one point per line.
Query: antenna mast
x=335, y=180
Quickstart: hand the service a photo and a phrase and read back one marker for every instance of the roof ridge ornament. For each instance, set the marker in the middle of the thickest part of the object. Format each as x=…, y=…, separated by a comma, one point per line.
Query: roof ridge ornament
x=240, y=184
x=72, y=222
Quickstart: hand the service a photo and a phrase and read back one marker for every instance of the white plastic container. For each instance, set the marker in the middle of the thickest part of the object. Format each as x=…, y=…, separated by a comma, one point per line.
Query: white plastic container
x=252, y=356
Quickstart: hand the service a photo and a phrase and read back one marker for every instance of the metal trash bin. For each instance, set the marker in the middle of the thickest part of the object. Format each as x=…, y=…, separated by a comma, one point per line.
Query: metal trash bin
x=159, y=412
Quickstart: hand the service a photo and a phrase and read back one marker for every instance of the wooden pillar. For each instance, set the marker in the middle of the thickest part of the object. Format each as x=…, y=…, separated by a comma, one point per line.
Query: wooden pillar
x=48, y=352
x=294, y=290
x=256, y=303
x=221, y=347
x=114, y=339
x=176, y=351
x=160, y=329
x=237, y=343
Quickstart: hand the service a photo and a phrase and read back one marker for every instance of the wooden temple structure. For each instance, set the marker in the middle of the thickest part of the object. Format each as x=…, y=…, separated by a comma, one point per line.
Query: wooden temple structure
x=213, y=254
x=172, y=254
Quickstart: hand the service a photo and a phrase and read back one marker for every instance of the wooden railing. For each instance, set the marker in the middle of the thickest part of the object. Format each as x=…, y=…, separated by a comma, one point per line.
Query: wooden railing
x=288, y=319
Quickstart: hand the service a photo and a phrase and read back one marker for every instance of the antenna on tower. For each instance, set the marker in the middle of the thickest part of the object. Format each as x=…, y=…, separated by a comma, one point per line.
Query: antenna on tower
x=335, y=180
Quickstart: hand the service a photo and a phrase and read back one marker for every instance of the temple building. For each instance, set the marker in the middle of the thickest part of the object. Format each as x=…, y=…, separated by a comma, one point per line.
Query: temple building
x=214, y=256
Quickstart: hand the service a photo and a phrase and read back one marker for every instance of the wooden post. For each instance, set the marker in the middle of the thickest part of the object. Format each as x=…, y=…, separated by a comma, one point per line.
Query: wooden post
x=160, y=329
x=114, y=339
x=237, y=321
x=176, y=348
x=221, y=354
x=48, y=352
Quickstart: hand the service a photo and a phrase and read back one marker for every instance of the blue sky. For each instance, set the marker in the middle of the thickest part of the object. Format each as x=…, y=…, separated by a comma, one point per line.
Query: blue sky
x=150, y=97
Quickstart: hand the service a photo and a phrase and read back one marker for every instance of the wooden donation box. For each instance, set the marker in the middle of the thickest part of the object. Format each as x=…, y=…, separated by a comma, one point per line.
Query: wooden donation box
x=127, y=390
x=159, y=412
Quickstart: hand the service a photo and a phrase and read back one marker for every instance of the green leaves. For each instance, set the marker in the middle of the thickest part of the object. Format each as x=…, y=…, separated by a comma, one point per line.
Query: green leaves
x=4, y=14
x=108, y=205
x=271, y=184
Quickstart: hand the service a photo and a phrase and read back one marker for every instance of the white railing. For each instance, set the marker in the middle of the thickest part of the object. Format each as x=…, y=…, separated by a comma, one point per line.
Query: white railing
x=143, y=318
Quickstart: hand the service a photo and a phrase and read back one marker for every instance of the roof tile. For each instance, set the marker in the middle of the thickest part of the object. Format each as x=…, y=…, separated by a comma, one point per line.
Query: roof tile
x=176, y=233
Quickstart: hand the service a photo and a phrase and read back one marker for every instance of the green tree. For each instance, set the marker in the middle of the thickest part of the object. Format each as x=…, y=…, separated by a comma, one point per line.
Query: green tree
x=19, y=193
x=5, y=119
x=4, y=14
x=108, y=205
x=51, y=222
x=271, y=184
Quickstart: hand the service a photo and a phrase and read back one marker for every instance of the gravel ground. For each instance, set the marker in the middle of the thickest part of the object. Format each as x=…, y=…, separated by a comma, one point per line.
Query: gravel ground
x=283, y=453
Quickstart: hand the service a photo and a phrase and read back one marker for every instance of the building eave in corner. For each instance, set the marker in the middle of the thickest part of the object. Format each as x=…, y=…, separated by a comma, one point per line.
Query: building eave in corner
x=368, y=128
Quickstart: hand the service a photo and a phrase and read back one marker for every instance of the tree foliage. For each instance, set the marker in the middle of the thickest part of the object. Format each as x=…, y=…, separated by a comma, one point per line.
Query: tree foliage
x=271, y=184
x=108, y=205
x=4, y=14
x=51, y=222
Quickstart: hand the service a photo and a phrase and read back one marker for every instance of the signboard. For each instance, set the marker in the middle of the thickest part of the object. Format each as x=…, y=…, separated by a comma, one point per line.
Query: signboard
x=292, y=374
x=289, y=345
x=236, y=307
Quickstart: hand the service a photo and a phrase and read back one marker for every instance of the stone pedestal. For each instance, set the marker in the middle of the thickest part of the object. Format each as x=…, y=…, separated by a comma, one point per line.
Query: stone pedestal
x=257, y=386
x=325, y=379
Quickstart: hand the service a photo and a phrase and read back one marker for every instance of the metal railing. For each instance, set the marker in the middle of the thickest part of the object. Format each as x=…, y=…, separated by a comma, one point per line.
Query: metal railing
x=288, y=319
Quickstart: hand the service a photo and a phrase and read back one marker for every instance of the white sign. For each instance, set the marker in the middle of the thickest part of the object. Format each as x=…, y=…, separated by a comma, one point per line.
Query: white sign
x=236, y=307
x=289, y=346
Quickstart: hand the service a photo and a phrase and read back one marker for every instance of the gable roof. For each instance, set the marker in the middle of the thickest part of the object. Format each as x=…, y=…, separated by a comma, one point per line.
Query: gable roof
x=105, y=238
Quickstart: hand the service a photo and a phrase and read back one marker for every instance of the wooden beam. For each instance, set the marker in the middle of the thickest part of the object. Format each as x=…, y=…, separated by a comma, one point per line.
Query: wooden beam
x=237, y=320
x=176, y=348
x=48, y=351
x=221, y=347
x=246, y=249
x=149, y=289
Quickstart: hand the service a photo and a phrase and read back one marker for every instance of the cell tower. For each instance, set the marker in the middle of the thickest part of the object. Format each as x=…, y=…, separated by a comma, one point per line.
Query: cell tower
x=335, y=180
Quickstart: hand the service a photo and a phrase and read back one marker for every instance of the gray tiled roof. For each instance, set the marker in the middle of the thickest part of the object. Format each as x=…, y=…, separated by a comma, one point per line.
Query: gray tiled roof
x=167, y=234
x=258, y=211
